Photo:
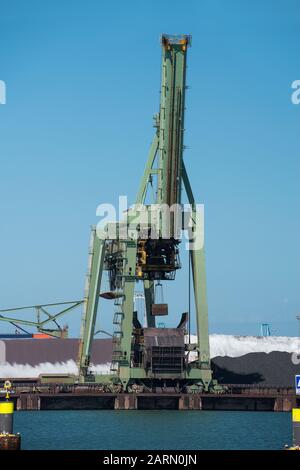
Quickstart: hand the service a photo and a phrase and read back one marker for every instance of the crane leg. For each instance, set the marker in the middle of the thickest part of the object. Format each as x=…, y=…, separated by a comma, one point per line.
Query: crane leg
x=127, y=309
x=199, y=281
x=91, y=300
x=197, y=256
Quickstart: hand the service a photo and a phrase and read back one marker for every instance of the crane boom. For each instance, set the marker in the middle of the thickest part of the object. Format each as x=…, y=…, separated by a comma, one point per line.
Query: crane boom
x=171, y=117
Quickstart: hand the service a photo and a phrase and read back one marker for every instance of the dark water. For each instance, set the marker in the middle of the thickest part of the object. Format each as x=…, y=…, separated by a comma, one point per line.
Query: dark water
x=153, y=430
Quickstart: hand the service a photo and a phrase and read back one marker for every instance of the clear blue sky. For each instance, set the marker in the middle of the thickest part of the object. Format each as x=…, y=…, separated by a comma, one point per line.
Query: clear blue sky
x=82, y=85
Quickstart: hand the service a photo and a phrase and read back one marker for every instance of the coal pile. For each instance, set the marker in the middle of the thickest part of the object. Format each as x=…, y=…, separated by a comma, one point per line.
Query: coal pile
x=275, y=368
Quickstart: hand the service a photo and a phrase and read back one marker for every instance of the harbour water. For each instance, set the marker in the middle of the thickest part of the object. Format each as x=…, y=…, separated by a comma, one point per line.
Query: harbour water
x=153, y=430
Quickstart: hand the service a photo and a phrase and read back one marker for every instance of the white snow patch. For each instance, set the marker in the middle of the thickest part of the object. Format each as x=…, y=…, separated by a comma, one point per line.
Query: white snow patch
x=235, y=346
x=220, y=345
x=27, y=371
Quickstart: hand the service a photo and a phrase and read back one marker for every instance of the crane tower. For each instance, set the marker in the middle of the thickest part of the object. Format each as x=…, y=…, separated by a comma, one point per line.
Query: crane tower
x=144, y=247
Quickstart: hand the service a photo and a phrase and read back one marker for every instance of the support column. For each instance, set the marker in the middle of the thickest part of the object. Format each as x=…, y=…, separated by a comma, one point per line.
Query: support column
x=127, y=309
x=197, y=256
x=190, y=402
x=91, y=301
x=126, y=402
x=199, y=281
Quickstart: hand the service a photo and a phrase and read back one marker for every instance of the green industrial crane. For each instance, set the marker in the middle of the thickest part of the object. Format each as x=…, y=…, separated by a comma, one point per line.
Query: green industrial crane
x=43, y=317
x=150, y=356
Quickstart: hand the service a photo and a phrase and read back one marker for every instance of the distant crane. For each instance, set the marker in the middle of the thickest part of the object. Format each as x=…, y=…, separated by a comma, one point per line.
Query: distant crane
x=43, y=317
x=265, y=329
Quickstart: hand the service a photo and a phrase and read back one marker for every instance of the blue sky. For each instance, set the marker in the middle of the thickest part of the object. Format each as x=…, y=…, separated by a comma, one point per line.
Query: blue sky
x=82, y=85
